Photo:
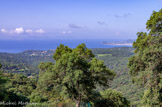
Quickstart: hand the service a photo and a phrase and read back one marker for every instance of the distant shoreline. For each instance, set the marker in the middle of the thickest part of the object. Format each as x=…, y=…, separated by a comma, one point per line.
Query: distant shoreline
x=52, y=50
x=20, y=46
x=119, y=44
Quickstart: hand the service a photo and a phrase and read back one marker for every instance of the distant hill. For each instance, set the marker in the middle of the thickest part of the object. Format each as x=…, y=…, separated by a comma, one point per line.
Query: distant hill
x=25, y=62
x=38, y=52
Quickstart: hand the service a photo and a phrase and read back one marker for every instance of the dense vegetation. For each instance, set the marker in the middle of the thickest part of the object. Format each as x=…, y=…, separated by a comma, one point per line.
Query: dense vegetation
x=122, y=81
x=25, y=62
x=38, y=93
x=146, y=65
x=15, y=89
x=76, y=73
x=114, y=58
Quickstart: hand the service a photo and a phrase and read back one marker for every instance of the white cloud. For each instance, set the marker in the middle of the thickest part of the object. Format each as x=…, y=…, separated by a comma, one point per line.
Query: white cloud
x=21, y=30
x=40, y=31
x=28, y=31
x=18, y=30
x=4, y=30
x=66, y=32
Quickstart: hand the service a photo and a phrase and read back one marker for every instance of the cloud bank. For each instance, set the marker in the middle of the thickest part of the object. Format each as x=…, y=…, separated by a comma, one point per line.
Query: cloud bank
x=20, y=30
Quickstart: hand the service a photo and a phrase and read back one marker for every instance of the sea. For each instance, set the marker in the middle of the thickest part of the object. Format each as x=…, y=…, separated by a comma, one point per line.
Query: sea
x=16, y=46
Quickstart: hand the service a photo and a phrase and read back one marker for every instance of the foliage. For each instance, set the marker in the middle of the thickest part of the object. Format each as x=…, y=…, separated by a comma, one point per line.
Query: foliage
x=145, y=66
x=114, y=58
x=154, y=23
x=8, y=94
x=76, y=73
x=122, y=81
x=20, y=84
x=111, y=98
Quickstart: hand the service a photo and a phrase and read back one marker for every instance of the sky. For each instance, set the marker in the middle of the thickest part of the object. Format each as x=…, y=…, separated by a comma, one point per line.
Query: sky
x=74, y=19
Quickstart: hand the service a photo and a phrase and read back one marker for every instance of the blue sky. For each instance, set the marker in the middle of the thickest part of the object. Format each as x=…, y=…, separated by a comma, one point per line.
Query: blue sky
x=74, y=19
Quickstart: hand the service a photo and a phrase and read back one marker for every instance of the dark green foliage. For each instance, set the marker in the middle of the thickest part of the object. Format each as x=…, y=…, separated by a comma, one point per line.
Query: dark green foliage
x=38, y=98
x=76, y=73
x=46, y=66
x=60, y=51
x=111, y=98
x=20, y=84
x=16, y=99
x=2, y=84
x=122, y=81
x=9, y=94
x=145, y=66
x=154, y=23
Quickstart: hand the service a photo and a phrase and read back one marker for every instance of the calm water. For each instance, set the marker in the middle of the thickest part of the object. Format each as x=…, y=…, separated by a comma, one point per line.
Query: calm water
x=15, y=46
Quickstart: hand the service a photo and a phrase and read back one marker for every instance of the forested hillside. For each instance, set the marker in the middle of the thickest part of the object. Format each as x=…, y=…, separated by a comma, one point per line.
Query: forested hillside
x=25, y=62
x=114, y=58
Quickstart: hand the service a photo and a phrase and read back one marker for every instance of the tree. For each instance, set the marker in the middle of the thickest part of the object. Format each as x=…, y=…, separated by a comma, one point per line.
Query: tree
x=145, y=66
x=77, y=73
x=154, y=23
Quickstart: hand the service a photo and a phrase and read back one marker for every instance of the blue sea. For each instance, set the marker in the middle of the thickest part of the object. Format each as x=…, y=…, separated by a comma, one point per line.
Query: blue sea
x=15, y=46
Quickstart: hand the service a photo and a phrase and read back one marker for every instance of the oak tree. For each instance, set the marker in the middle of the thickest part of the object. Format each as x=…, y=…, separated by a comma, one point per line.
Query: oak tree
x=77, y=73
